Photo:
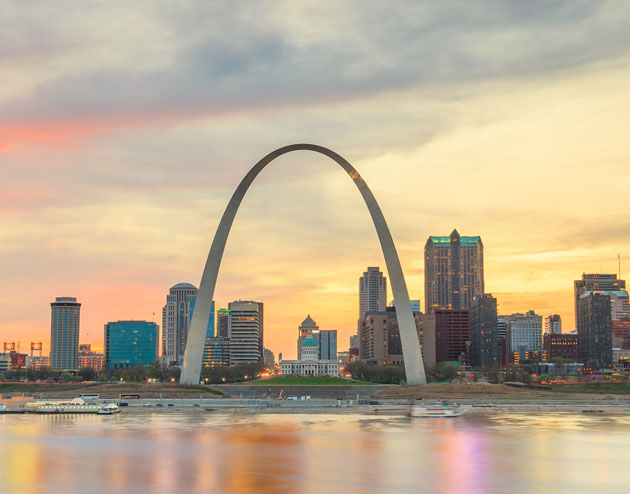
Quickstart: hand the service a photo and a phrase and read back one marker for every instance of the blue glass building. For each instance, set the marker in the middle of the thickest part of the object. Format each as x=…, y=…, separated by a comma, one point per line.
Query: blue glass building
x=131, y=344
x=328, y=344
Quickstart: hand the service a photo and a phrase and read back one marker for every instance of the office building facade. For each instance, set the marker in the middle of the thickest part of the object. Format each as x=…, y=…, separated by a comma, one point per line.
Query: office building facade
x=452, y=335
x=223, y=322
x=563, y=345
x=64, y=333
x=216, y=352
x=594, y=327
x=596, y=283
x=372, y=291
x=131, y=344
x=484, y=343
x=453, y=272
x=553, y=324
x=524, y=337
x=176, y=318
x=246, y=331
x=328, y=344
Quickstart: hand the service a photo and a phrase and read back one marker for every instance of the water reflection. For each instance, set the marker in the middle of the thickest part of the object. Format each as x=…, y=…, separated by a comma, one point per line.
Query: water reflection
x=196, y=451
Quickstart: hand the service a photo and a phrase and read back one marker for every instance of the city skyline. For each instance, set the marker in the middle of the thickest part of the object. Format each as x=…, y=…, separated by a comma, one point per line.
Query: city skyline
x=99, y=345
x=111, y=194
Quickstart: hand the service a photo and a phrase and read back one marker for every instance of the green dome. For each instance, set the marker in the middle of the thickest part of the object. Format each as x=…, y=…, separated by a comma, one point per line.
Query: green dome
x=309, y=341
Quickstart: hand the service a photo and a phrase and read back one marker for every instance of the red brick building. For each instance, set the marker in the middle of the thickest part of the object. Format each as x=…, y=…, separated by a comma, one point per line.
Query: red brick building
x=452, y=335
x=563, y=345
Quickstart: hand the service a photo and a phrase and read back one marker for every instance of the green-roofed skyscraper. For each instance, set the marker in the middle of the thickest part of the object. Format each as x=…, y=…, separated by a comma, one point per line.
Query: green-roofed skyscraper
x=453, y=272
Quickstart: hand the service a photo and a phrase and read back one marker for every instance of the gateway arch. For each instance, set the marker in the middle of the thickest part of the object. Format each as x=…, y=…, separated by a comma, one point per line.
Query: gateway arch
x=414, y=368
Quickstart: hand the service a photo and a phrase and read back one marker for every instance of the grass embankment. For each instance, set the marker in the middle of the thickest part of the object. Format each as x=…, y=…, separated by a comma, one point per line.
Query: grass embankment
x=306, y=381
x=108, y=390
x=597, y=388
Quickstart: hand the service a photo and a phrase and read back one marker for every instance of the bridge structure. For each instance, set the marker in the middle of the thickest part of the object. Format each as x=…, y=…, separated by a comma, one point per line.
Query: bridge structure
x=414, y=368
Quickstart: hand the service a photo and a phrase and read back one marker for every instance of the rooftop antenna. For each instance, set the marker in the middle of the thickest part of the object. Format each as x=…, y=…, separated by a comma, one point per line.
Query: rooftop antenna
x=619, y=259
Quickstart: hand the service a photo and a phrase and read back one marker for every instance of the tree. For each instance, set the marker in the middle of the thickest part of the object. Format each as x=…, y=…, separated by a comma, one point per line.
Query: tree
x=102, y=377
x=88, y=373
x=445, y=371
x=65, y=377
x=492, y=372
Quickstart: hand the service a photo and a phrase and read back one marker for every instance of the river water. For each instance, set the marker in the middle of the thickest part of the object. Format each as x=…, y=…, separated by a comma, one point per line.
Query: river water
x=197, y=451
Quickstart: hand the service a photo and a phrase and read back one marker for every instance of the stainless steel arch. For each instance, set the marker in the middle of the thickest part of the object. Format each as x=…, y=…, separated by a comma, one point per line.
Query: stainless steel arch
x=414, y=368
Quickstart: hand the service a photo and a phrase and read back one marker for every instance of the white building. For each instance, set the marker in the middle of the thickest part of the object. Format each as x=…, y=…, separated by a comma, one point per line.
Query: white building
x=5, y=362
x=245, y=330
x=553, y=324
x=176, y=321
x=309, y=363
x=524, y=332
x=37, y=361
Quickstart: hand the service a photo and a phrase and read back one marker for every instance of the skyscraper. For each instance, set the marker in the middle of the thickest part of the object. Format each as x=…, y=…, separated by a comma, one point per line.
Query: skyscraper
x=131, y=344
x=596, y=282
x=246, y=331
x=176, y=318
x=553, y=324
x=64, y=333
x=372, y=291
x=595, y=294
x=453, y=272
x=594, y=326
x=484, y=346
x=223, y=320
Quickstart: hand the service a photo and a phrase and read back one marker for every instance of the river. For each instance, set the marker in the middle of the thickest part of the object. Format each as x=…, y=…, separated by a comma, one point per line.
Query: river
x=182, y=451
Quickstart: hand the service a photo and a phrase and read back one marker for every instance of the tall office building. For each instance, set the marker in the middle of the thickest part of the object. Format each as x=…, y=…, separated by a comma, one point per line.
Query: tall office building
x=223, y=321
x=354, y=341
x=594, y=327
x=502, y=325
x=453, y=272
x=379, y=338
x=524, y=337
x=176, y=318
x=372, y=291
x=328, y=344
x=176, y=321
x=484, y=345
x=553, y=324
x=595, y=283
x=64, y=333
x=452, y=335
x=594, y=294
x=131, y=344
x=245, y=331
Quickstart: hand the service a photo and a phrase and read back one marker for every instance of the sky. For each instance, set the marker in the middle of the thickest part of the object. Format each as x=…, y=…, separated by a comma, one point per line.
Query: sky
x=125, y=128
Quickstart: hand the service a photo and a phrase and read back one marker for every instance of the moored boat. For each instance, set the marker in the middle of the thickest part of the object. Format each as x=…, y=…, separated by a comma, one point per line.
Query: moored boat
x=109, y=409
x=434, y=411
x=77, y=405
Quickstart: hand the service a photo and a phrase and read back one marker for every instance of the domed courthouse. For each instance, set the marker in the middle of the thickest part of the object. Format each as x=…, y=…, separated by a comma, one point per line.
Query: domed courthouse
x=309, y=363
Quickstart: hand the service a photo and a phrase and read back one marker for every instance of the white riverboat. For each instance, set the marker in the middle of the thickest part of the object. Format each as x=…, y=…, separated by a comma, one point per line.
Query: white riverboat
x=434, y=411
x=77, y=405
